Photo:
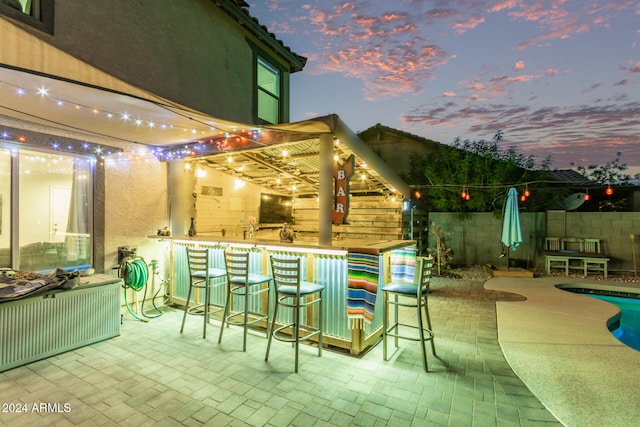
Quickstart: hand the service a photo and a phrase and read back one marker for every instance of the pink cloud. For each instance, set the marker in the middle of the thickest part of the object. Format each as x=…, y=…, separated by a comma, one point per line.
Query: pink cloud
x=386, y=45
x=470, y=23
x=504, y=5
x=497, y=85
x=634, y=68
x=383, y=49
x=564, y=19
x=556, y=130
x=441, y=13
x=449, y=94
x=593, y=87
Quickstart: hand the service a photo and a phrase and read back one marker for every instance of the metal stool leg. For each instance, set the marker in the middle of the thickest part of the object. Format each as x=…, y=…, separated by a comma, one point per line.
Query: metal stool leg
x=320, y=326
x=396, y=331
x=207, y=297
x=227, y=305
x=421, y=332
x=273, y=325
x=186, y=307
x=385, y=325
x=426, y=312
x=246, y=317
x=296, y=331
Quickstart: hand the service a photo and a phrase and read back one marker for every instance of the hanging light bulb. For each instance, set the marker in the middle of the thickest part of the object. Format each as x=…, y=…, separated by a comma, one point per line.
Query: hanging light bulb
x=464, y=193
x=587, y=197
x=608, y=191
x=468, y=196
x=523, y=198
x=526, y=192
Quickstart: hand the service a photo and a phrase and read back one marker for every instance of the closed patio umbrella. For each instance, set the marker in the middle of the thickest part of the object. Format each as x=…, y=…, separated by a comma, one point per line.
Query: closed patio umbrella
x=511, y=228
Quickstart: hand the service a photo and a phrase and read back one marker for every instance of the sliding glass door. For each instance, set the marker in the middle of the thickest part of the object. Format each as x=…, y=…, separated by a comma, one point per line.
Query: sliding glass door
x=52, y=225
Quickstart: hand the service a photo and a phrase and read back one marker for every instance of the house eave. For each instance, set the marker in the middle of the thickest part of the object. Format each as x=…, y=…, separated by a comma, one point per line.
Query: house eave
x=242, y=16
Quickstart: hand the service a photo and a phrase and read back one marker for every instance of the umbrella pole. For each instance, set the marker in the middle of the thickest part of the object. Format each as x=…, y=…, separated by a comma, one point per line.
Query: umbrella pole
x=508, y=263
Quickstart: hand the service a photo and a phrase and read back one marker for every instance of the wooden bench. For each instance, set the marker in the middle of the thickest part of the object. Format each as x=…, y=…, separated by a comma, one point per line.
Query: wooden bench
x=562, y=253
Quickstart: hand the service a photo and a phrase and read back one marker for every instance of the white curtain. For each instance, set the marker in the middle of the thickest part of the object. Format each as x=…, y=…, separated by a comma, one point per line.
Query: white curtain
x=78, y=240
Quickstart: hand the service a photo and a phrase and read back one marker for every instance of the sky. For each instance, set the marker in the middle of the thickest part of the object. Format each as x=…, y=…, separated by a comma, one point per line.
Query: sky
x=560, y=78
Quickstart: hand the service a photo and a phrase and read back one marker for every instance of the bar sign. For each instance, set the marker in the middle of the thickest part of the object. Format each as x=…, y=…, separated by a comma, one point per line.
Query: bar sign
x=342, y=175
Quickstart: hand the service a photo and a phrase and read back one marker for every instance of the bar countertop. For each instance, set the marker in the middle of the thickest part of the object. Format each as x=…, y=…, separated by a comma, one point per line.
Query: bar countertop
x=349, y=245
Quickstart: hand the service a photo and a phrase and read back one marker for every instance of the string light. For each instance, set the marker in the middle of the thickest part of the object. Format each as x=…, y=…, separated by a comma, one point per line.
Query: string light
x=72, y=146
x=587, y=197
x=216, y=141
x=608, y=191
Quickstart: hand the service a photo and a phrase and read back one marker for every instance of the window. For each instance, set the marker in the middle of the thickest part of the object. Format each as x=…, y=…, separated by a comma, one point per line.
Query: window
x=54, y=196
x=36, y=13
x=268, y=82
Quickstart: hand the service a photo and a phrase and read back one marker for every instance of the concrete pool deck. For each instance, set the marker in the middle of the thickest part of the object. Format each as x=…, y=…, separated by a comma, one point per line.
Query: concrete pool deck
x=558, y=344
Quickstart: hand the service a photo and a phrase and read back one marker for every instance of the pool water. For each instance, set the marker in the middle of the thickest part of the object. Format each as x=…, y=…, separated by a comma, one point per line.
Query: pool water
x=629, y=331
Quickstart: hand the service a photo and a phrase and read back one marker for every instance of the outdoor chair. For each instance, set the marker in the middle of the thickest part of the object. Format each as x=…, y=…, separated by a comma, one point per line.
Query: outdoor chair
x=297, y=295
x=407, y=291
x=552, y=244
x=201, y=276
x=592, y=246
x=241, y=283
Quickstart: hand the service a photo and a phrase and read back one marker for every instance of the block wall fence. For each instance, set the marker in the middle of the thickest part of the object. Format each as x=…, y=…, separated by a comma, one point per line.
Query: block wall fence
x=475, y=238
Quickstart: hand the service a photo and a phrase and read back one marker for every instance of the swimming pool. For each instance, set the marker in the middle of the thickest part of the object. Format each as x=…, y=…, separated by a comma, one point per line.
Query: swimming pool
x=628, y=331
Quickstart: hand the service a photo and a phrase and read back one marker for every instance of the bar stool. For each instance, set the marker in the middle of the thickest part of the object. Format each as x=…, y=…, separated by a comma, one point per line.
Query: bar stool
x=292, y=292
x=418, y=291
x=201, y=276
x=242, y=283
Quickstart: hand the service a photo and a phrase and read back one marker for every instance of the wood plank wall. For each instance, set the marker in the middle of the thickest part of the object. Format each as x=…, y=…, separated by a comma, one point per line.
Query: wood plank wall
x=370, y=218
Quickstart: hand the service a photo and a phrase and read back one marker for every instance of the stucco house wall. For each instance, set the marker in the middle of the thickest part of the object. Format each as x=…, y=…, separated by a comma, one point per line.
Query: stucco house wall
x=191, y=53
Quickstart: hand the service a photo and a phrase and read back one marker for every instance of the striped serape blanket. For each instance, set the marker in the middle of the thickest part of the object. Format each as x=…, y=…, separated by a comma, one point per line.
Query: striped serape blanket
x=403, y=264
x=362, y=286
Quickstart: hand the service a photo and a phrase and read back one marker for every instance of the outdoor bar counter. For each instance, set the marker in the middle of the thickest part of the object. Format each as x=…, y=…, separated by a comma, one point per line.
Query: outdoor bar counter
x=349, y=322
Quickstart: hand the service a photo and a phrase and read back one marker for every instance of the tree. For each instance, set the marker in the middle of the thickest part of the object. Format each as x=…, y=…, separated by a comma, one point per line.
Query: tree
x=613, y=173
x=479, y=169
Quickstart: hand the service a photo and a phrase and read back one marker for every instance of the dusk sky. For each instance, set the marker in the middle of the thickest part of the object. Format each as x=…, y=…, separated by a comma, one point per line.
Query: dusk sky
x=559, y=77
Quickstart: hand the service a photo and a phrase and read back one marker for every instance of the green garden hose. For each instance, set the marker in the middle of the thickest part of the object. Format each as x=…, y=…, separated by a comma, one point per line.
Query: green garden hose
x=135, y=273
